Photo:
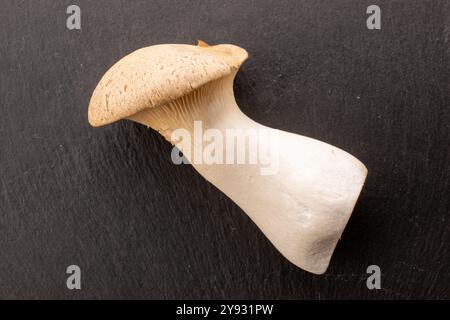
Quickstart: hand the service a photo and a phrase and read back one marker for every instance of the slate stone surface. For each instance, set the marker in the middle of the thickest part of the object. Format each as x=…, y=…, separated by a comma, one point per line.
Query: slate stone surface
x=111, y=201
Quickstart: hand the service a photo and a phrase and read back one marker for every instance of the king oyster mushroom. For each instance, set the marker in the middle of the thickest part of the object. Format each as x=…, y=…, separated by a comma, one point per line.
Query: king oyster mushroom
x=302, y=207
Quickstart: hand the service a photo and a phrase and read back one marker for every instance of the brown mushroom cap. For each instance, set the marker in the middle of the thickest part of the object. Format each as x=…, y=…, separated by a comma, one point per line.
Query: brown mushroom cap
x=156, y=75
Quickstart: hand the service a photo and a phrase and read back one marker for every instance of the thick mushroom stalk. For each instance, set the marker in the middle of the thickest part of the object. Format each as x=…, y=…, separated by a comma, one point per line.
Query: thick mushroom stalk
x=299, y=191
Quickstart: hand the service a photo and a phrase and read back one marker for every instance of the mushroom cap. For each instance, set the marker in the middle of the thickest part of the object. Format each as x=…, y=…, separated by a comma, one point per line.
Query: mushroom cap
x=156, y=75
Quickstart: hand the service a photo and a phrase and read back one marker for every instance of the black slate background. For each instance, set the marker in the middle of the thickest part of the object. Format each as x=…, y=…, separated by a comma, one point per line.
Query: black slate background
x=111, y=201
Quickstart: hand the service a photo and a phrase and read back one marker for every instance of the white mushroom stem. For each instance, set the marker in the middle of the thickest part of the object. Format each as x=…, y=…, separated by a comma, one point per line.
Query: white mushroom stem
x=302, y=208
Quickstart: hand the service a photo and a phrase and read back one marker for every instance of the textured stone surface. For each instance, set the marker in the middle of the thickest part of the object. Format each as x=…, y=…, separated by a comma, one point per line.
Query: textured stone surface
x=110, y=200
